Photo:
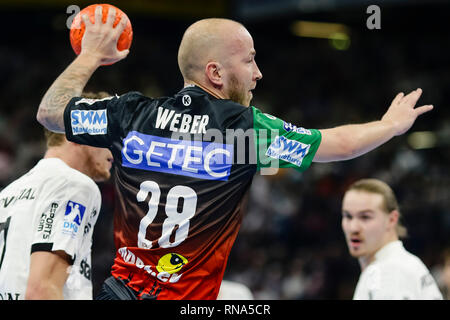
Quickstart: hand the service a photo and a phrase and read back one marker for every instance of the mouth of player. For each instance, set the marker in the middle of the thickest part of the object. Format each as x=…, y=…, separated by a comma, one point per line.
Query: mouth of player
x=355, y=242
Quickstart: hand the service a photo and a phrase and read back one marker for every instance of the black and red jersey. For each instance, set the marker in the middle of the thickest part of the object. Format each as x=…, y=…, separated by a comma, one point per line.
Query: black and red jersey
x=184, y=166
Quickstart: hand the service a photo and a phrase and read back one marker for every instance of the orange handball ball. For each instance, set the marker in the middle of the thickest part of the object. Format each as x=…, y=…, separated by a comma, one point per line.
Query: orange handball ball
x=77, y=28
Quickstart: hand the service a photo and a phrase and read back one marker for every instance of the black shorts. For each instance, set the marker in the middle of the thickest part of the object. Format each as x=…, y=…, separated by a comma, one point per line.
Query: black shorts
x=116, y=289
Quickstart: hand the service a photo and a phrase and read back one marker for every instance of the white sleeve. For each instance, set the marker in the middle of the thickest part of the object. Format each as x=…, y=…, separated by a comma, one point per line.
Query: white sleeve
x=62, y=216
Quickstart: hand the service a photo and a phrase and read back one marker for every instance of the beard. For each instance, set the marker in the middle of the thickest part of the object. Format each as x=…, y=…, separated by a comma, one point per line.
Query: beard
x=237, y=93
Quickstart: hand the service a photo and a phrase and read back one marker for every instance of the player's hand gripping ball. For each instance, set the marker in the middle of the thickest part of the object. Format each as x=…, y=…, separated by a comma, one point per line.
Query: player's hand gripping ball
x=77, y=29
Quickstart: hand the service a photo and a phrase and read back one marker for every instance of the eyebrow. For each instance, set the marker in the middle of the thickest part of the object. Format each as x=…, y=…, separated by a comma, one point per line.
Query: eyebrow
x=365, y=211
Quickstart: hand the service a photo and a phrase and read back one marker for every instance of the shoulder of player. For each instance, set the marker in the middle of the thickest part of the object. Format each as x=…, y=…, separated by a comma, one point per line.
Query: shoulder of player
x=12, y=187
x=132, y=99
x=223, y=112
x=80, y=180
x=30, y=178
x=405, y=265
x=65, y=176
x=132, y=95
x=221, y=105
x=227, y=110
x=230, y=104
x=414, y=265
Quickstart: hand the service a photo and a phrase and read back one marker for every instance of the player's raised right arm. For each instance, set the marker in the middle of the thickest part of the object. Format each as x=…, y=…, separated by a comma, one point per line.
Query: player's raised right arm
x=99, y=46
x=68, y=85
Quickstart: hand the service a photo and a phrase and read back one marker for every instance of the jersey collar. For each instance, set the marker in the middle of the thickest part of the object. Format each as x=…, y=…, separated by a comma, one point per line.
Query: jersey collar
x=197, y=89
x=389, y=249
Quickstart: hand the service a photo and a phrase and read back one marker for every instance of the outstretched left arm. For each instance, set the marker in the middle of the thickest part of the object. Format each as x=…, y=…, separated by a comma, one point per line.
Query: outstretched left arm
x=351, y=141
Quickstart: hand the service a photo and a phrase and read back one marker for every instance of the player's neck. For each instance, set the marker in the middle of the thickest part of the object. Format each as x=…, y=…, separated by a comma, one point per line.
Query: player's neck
x=69, y=156
x=212, y=91
x=364, y=261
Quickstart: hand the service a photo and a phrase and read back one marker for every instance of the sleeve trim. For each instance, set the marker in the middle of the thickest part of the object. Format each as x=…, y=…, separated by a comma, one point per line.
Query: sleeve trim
x=48, y=247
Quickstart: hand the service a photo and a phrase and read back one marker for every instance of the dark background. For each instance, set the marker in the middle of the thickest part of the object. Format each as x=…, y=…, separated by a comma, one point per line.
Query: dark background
x=290, y=245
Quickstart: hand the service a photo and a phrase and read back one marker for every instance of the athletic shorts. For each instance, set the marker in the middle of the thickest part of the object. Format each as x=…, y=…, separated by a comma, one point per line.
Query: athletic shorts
x=116, y=289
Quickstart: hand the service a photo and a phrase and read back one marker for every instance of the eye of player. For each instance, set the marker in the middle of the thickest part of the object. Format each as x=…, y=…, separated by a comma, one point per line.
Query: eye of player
x=346, y=215
x=366, y=215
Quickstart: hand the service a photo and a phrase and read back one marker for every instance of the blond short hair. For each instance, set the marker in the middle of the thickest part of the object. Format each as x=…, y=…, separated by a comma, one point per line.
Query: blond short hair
x=390, y=202
x=54, y=139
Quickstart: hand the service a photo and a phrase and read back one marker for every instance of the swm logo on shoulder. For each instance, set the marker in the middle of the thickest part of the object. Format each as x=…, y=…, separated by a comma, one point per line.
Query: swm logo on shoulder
x=72, y=217
x=93, y=122
x=288, y=150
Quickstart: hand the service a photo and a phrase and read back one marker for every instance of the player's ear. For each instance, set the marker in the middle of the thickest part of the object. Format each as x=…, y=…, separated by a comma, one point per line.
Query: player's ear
x=393, y=218
x=213, y=71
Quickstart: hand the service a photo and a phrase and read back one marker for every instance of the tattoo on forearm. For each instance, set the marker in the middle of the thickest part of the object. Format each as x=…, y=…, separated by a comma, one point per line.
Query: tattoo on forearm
x=68, y=85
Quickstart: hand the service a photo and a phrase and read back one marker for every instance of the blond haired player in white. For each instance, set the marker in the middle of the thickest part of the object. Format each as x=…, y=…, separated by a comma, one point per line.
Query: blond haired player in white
x=47, y=218
x=370, y=221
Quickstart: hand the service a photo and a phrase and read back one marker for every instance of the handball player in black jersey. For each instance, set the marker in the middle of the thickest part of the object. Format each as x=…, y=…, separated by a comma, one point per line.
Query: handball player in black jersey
x=185, y=163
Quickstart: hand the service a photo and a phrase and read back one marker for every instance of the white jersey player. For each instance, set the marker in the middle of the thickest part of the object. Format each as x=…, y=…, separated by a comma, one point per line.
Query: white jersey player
x=370, y=221
x=47, y=218
x=396, y=274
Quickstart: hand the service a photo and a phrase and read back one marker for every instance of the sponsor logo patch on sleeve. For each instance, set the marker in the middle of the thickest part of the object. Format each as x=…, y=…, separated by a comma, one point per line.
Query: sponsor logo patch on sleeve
x=93, y=122
x=46, y=221
x=72, y=217
x=288, y=150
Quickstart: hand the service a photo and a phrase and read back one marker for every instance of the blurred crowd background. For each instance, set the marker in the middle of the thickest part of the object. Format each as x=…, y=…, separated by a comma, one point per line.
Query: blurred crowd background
x=291, y=245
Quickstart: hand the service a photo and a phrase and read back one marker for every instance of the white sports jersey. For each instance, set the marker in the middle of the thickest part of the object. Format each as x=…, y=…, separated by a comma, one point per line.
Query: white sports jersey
x=396, y=274
x=230, y=290
x=52, y=207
